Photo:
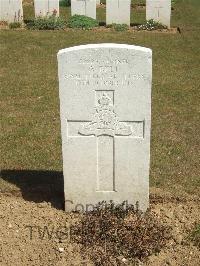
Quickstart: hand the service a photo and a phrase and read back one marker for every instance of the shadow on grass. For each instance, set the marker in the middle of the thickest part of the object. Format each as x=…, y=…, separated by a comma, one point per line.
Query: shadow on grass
x=37, y=185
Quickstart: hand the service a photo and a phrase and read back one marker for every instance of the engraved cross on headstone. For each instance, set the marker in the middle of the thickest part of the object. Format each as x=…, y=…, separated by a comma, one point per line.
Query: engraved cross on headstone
x=106, y=127
x=85, y=5
x=158, y=7
x=48, y=7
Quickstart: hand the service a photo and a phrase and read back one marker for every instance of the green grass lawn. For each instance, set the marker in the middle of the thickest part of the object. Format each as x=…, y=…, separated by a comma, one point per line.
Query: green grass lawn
x=30, y=135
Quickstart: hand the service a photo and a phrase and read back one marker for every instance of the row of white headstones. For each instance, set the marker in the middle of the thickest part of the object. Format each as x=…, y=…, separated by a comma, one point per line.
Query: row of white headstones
x=117, y=11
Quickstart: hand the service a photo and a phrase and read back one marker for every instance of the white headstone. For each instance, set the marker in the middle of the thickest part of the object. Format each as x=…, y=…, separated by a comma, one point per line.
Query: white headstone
x=11, y=10
x=105, y=107
x=159, y=10
x=118, y=11
x=84, y=7
x=46, y=8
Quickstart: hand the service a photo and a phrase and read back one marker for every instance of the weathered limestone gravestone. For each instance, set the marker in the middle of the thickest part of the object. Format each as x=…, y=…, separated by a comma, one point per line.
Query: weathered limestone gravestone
x=118, y=11
x=11, y=10
x=105, y=107
x=159, y=10
x=46, y=8
x=84, y=7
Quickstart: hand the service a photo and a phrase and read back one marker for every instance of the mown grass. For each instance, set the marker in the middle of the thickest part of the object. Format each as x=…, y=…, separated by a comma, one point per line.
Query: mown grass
x=30, y=136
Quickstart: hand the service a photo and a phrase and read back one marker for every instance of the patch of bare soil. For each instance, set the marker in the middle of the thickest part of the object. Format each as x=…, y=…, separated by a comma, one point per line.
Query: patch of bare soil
x=38, y=234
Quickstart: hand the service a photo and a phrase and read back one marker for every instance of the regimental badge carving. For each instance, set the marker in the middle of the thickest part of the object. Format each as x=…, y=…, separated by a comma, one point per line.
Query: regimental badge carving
x=105, y=121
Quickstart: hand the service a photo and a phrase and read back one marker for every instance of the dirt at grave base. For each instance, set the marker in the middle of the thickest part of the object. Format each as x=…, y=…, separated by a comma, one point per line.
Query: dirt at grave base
x=18, y=247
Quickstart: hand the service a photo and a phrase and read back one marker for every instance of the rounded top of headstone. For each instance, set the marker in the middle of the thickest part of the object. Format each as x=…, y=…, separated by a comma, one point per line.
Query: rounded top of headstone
x=105, y=45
